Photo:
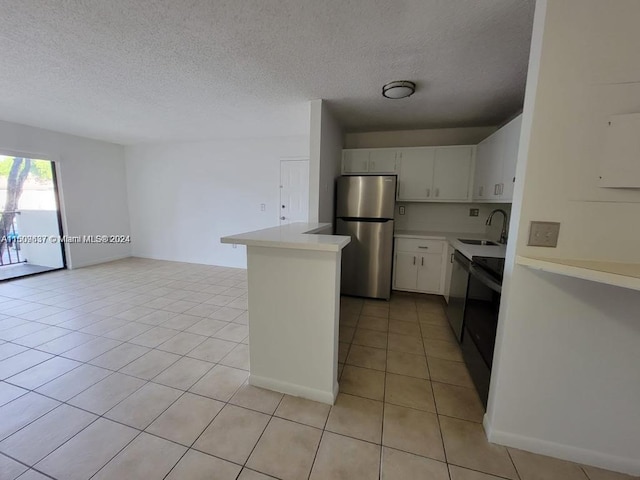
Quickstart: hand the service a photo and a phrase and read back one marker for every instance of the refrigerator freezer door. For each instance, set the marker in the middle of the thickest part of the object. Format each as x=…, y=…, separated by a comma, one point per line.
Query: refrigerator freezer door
x=366, y=261
x=362, y=196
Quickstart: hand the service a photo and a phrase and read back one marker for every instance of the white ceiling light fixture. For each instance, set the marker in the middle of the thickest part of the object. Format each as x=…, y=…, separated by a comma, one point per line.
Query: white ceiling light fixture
x=398, y=89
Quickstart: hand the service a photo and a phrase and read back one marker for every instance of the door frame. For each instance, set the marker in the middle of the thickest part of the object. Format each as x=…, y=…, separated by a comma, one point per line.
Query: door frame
x=290, y=159
x=58, y=196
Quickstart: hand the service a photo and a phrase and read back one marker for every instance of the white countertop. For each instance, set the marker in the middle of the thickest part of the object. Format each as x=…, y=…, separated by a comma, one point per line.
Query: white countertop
x=468, y=251
x=299, y=236
x=626, y=275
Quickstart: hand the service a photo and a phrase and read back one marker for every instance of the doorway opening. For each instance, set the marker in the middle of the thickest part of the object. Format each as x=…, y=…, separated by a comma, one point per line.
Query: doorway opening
x=30, y=219
x=294, y=190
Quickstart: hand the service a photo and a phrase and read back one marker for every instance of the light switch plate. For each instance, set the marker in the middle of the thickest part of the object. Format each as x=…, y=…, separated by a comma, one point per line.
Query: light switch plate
x=474, y=212
x=544, y=234
x=401, y=209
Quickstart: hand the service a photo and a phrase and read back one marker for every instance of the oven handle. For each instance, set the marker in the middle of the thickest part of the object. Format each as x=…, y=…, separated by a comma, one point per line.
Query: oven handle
x=485, y=279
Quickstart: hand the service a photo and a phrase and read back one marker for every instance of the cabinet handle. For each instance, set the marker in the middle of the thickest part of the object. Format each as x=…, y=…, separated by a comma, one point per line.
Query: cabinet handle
x=428, y=192
x=481, y=191
x=414, y=260
x=451, y=259
x=501, y=188
x=496, y=189
x=373, y=164
x=423, y=261
x=421, y=246
x=437, y=192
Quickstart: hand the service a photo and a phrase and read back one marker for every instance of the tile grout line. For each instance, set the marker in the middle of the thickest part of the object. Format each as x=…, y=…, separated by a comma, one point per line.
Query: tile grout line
x=384, y=398
x=324, y=427
x=513, y=463
x=435, y=405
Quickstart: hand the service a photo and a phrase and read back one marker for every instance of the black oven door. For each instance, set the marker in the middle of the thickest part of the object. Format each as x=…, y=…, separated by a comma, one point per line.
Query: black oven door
x=480, y=323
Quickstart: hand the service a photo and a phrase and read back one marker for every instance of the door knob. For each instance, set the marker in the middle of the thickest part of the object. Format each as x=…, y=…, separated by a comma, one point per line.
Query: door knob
x=282, y=218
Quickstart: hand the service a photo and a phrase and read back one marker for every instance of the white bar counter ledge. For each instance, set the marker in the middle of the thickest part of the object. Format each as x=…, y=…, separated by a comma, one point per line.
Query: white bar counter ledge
x=294, y=308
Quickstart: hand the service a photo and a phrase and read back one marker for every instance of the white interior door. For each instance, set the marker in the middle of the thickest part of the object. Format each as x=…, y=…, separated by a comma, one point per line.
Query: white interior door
x=294, y=191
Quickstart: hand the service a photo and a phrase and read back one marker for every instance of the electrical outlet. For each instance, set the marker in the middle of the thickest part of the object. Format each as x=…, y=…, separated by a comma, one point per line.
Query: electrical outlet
x=474, y=212
x=544, y=234
x=401, y=210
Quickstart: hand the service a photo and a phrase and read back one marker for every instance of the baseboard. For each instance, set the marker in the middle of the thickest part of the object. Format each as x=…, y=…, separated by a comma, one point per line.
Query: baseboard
x=593, y=458
x=73, y=266
x=328, y=397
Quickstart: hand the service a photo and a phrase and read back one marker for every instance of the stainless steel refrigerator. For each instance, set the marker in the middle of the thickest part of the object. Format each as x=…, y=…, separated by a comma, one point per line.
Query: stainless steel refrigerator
x=364, y=211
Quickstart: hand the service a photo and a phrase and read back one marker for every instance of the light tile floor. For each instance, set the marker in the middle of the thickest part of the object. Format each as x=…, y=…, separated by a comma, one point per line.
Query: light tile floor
x=137, y=369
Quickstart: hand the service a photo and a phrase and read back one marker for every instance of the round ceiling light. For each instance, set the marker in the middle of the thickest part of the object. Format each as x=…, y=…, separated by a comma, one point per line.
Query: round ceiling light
x=398, y=89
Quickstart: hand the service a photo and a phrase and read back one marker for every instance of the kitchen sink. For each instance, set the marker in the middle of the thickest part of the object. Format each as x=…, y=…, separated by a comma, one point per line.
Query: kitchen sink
x=471, y=241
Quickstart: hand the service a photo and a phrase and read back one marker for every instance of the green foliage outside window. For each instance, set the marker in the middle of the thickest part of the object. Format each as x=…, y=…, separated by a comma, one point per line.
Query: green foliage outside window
x=40, y=169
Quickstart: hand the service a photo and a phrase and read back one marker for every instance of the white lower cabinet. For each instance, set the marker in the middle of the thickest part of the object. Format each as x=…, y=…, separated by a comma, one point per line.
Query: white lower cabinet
x=405, y=271
x=418, y=265
x=429, y=271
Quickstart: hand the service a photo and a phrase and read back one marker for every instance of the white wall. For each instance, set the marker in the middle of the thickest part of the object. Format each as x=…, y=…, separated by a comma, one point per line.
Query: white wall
x=566, y=380
x=450, y=217
x=418, y=138
x=326, y=143
x=91, y=176
x=184, y=196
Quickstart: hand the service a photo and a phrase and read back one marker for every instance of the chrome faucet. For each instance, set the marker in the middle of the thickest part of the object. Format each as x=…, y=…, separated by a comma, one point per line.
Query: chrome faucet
x=503, y=232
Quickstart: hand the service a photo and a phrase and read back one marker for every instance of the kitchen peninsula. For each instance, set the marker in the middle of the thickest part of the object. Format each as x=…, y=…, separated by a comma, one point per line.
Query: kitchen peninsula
x=294, y=307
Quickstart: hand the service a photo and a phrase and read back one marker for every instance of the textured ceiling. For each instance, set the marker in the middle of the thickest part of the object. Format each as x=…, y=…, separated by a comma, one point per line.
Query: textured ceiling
x=166, y=70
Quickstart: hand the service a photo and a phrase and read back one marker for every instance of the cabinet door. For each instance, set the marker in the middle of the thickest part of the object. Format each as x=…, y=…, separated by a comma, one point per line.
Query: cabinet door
x=382, y=161
x=510, y=158
x=452, y=172
x=483, y=168
x=497, y=160
x=415, y=181
x=405, y=271
x=429, y=270
x=355, y=161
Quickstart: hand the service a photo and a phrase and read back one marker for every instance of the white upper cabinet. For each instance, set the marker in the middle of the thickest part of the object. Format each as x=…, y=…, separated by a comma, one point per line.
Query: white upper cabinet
x=355, y=161
x=452, y=173
x=435, y=174
x=496, y=159
x=425, y=174
x=510, y=158
x=372, y=161
x=382, y=161
x=415, y=182
x=484, y=178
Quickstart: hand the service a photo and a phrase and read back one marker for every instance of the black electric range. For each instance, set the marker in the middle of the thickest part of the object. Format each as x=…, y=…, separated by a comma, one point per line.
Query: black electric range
x=482, y=307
